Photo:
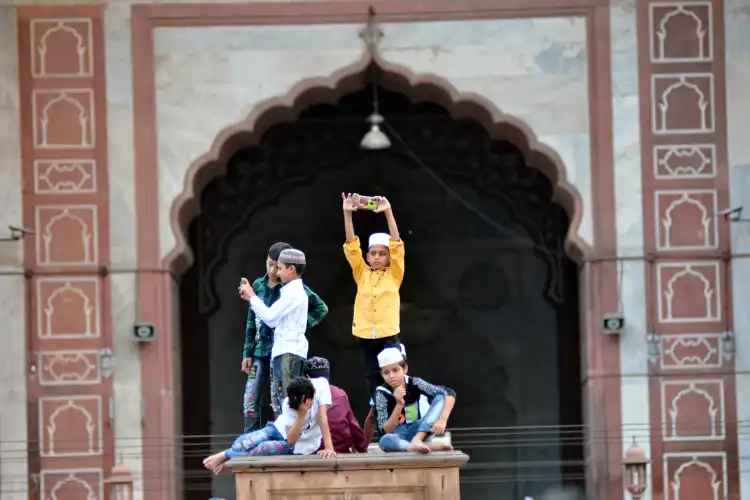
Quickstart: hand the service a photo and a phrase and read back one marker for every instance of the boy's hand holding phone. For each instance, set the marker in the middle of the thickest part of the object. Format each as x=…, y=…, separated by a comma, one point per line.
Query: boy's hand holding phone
x=245, y=289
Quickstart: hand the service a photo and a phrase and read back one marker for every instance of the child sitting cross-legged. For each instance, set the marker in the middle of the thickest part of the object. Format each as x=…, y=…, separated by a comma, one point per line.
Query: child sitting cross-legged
x=299, y=430
x=402, y=424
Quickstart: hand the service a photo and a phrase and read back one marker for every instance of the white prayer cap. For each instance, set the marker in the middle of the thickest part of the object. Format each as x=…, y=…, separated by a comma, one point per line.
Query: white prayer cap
x=390, y=356
x=379, y=239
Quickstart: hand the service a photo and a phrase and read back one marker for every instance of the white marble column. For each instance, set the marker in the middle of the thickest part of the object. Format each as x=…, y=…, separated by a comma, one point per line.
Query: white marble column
x=13, y=417
x=634, y=394
x=737, y=54
x=127, y=375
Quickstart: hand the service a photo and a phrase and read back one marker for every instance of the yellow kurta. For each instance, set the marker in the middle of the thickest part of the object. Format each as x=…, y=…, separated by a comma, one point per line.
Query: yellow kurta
x=377, y=306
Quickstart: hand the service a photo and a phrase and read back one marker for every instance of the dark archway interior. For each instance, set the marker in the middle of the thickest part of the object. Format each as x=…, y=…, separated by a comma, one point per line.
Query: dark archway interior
x=490, y=302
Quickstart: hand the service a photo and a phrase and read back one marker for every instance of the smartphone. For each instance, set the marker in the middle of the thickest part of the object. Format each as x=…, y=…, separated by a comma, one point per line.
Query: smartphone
x=243, y=281
x=365, y=202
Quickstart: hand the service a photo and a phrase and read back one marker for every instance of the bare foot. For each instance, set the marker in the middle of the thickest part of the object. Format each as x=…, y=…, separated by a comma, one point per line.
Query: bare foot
x=419, y=447
x=215, y=463
x=440, y=446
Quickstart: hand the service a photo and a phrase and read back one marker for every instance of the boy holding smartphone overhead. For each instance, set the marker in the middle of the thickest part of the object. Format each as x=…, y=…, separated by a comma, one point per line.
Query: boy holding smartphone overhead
x=377, y=304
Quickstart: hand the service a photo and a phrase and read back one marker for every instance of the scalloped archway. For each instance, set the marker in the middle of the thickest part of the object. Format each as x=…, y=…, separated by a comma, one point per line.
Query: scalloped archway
x=328, y=90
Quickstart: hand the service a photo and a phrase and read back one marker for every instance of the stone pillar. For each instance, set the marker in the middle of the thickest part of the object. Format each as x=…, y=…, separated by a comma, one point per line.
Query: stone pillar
x=688, y=268
x=67, y=285
x=736, y=55
x=13, y=302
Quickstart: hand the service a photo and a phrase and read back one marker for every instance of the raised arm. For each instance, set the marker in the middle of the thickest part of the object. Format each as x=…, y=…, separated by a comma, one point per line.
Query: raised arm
x=385, y=206
x=398, y=261
x=352, y=250
x=349, y=207
x=396, y=245
x=271, y=315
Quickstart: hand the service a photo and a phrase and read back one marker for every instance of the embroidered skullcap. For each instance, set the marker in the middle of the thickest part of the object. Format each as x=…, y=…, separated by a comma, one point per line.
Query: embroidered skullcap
x=292, y=256
x=317, y=367
x=390, y=356
x=379, y=239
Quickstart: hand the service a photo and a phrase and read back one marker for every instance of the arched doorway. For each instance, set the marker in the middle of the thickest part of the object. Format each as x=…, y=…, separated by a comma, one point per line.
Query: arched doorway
x=490, y=302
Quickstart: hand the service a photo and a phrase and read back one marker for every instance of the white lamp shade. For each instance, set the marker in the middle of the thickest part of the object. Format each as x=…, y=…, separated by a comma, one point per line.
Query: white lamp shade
x=375, y=138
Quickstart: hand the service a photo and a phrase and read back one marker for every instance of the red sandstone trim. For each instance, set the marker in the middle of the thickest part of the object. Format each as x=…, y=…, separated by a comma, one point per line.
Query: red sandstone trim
x=100, y=199
x=659, y=446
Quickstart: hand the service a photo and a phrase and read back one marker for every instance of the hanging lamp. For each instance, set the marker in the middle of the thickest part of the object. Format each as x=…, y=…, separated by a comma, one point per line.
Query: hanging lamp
x=374, y=139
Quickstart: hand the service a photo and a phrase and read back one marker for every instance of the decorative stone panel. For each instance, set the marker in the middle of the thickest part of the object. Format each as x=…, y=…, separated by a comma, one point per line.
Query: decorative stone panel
x=63, y=114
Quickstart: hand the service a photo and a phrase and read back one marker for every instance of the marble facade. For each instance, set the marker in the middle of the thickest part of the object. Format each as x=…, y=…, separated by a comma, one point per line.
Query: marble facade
x=737, y=48
x=13, y=469
x=484, y=58
x=541, y=69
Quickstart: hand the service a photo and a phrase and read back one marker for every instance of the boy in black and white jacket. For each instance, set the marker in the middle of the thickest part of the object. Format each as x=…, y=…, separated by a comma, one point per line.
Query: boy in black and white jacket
x=402, y=425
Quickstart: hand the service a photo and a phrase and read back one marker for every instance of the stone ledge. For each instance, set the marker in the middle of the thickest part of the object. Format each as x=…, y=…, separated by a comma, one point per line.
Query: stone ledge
x=354, y=461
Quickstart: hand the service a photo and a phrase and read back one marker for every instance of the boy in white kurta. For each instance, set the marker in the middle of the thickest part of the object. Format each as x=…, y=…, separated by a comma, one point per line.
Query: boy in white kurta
x=288, y=317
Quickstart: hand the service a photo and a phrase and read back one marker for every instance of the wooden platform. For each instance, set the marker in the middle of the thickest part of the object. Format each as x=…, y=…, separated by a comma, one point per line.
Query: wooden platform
x=366, y=476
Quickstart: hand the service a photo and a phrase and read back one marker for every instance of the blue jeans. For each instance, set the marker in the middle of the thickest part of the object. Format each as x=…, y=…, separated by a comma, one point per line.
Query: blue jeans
x=263, y=443
x=284, y=368
x=256, y=381
x=401, y=437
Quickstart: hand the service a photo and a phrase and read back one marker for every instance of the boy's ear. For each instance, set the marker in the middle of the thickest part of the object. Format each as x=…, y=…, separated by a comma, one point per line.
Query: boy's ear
x=406, y=368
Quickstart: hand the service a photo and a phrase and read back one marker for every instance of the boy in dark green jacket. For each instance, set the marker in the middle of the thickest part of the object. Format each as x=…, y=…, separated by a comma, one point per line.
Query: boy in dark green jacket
x=256, y=356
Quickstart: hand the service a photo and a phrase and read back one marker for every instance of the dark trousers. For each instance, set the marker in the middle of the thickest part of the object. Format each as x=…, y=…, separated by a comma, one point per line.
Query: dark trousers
x=370, y=350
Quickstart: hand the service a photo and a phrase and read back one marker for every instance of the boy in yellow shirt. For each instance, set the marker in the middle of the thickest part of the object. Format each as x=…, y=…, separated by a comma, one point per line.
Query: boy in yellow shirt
x=377, y=305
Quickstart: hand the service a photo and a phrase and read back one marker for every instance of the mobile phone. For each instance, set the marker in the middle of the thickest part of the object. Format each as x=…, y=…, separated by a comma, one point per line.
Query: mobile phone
x=365, y=202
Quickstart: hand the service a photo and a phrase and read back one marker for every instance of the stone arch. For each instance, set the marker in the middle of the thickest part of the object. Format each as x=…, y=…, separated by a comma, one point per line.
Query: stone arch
x=328, y=90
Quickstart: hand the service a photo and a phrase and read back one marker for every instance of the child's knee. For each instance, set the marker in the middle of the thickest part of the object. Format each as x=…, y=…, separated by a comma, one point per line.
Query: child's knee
x=390, y=442
x=384, y=440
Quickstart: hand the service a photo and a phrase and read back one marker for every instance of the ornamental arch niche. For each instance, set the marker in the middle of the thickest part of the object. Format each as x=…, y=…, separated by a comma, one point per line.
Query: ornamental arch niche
x=418, y=88
x=546, y=181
